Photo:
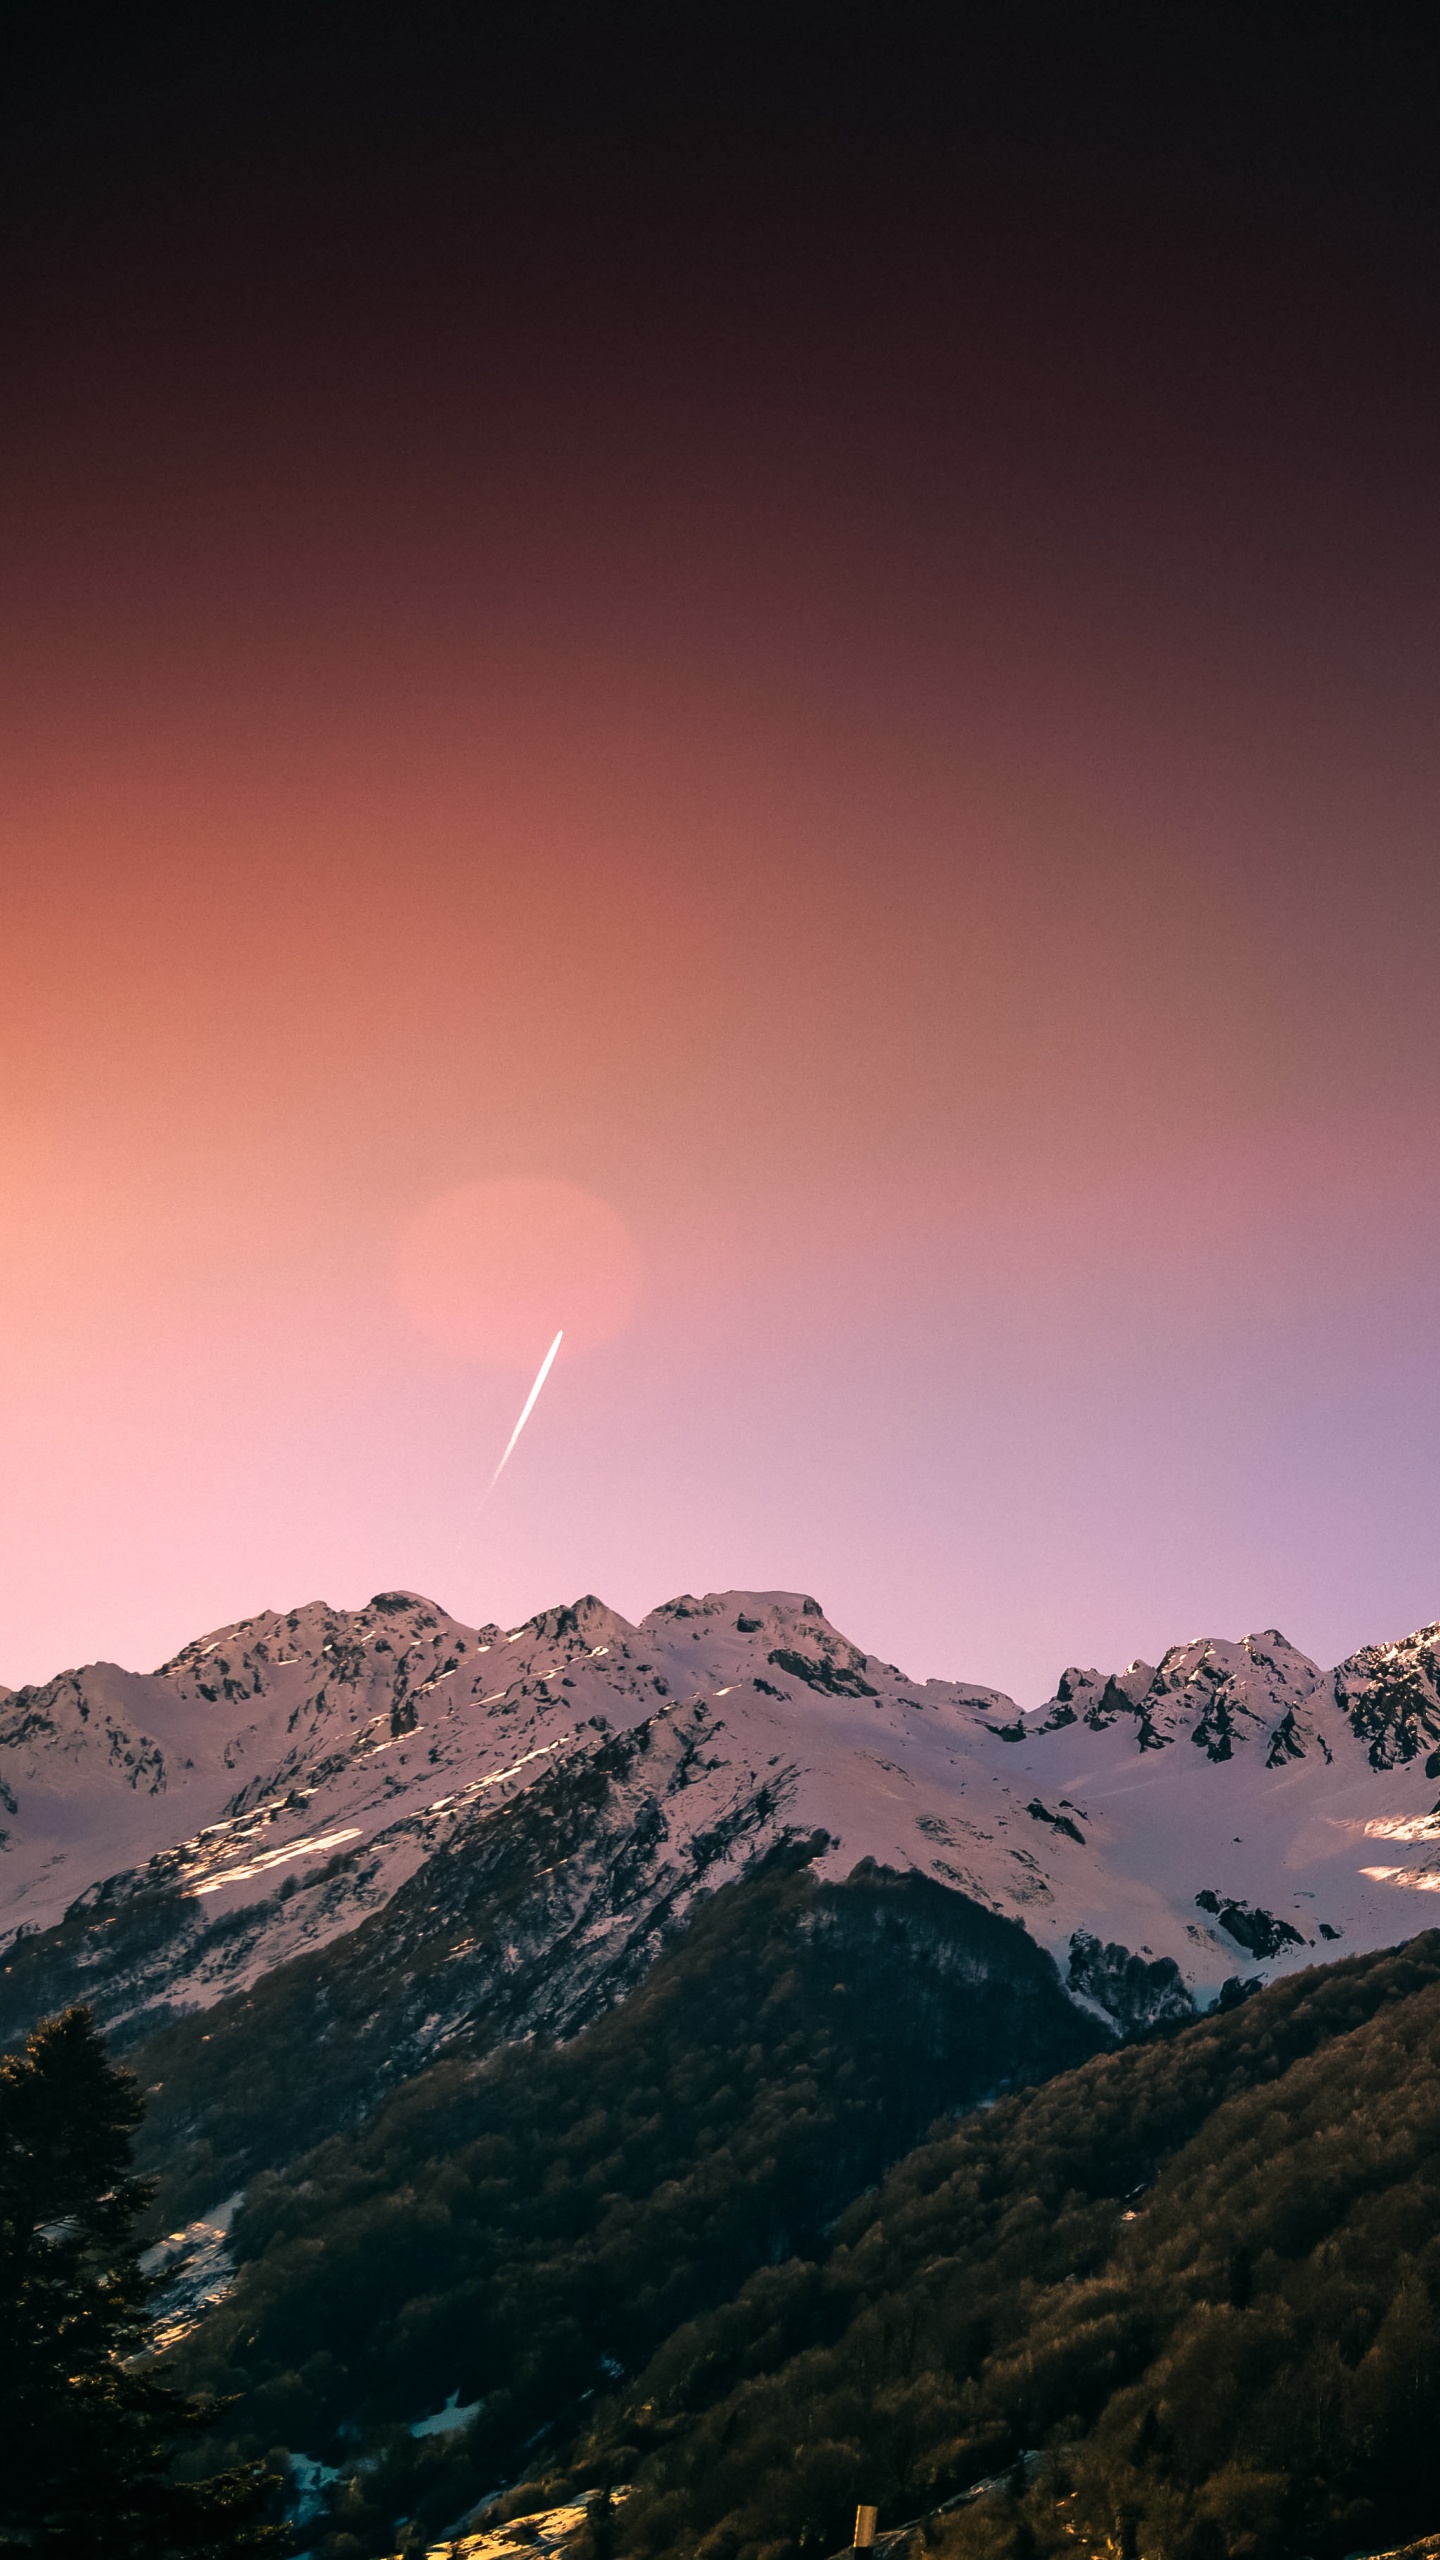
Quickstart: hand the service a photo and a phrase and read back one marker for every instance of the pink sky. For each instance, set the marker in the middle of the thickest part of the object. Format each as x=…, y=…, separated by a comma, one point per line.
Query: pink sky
x=916, y=796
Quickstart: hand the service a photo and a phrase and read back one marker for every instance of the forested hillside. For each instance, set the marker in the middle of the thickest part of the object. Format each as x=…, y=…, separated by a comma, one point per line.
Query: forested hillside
x=523, y=2230
x=1177, y=2300
x=1201, y=2276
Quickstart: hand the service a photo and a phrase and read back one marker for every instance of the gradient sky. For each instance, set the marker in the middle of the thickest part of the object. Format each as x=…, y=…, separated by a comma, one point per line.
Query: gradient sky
x=795, y=731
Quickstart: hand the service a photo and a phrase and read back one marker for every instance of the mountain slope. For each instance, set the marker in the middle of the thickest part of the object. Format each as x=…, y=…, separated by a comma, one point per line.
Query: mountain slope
x=339, y=1880
x=1202, y=2272
x=507, y=2236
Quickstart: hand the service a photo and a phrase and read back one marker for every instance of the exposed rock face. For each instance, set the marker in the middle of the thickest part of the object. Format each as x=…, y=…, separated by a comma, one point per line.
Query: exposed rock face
x=1220, y=1696
x=1134, y=1993
x=1390, y=1697
x=1258, y=1932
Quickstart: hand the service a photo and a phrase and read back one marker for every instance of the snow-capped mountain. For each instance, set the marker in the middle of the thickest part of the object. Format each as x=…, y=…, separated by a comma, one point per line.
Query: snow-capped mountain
x=1231, y=1809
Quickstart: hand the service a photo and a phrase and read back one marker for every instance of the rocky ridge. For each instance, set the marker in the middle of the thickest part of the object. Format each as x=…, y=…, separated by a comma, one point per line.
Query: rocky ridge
x=173, y=1837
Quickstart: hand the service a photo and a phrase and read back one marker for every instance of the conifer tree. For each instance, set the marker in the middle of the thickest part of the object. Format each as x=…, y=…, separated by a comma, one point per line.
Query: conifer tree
x=89, y=2427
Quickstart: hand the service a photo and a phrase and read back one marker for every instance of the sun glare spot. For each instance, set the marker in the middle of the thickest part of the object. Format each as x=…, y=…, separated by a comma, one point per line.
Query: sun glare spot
x=491, y=1270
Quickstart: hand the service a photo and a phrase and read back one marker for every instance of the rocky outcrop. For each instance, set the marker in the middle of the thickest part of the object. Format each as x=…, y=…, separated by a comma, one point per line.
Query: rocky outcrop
x=1133, y=1991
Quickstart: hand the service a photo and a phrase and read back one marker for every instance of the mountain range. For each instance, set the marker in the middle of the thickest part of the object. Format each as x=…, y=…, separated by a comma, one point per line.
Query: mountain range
x=508, y=2002
x=172, y=1837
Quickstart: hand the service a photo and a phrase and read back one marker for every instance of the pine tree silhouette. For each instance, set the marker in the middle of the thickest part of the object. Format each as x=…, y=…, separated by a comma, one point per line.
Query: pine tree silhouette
x=90, y=2428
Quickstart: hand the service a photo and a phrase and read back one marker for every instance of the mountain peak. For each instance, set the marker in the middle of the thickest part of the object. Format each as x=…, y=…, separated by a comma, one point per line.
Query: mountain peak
x=1219, y=1694
x=1390, y=1697
x=583, y=1622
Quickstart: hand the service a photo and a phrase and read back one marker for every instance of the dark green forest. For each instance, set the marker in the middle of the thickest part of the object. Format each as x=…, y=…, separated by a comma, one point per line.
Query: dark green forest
x=527, y=2229
x=1200, y=2277
x=1176, y=2300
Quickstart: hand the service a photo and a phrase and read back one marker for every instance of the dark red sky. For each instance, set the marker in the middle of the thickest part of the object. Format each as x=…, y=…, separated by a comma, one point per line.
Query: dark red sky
x=836, y=653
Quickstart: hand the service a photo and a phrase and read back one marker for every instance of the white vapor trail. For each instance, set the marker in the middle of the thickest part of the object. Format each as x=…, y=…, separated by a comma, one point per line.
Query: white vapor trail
x=526, y=1410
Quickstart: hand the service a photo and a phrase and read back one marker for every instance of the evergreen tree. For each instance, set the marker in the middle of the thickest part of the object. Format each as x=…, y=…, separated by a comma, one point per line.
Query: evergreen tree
x=90, y=2428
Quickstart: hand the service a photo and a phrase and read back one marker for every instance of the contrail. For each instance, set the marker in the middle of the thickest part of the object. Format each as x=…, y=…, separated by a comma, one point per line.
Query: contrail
x=526, y=1410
